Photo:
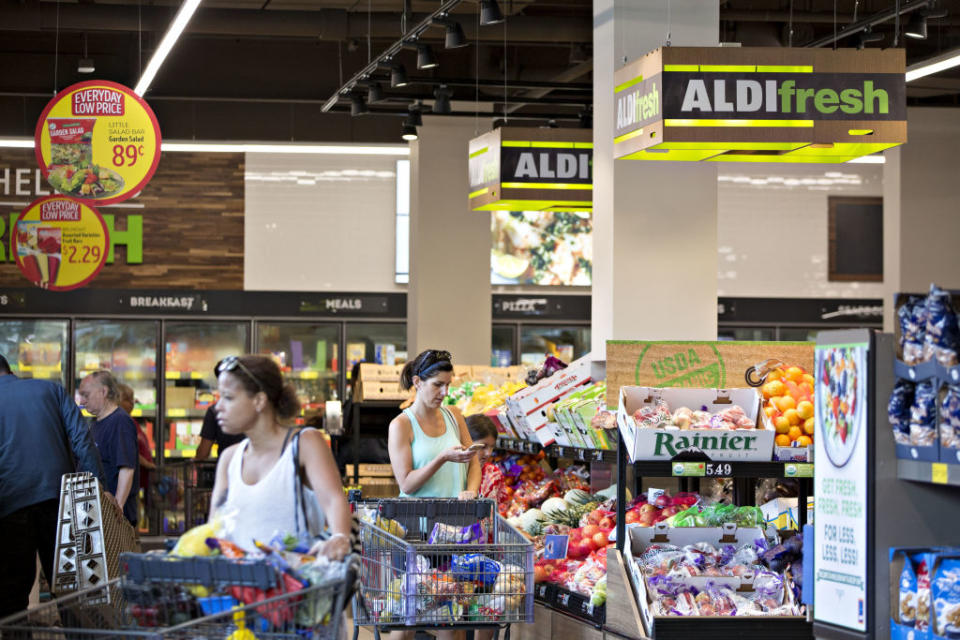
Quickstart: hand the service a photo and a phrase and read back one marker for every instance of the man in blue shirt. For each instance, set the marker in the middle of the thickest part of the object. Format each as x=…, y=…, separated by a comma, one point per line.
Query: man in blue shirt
x=41, y=435
x=115, y=433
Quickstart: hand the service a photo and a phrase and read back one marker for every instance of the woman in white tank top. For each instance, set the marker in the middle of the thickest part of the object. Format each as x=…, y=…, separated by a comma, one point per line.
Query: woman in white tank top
x=256, y=478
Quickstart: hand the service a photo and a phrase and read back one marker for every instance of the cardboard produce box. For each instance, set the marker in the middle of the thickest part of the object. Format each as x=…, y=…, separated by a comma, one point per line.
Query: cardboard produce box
x=719, y=444
x=640, y=538
x=378, y=487
x=380, y=372
x=528, y=407
x=370, y=469
x=181, y=397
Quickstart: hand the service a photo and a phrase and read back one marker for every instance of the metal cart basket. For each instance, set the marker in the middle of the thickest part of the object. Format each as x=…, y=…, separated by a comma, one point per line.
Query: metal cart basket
x=415, y=574
x=152, y=601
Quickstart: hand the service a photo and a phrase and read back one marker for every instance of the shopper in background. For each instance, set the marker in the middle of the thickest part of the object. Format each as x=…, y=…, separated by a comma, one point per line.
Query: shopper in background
x=429, y=444
x=430, y=447
x=145, y=456
x=115, y=433
x=211, y=433
x=41, y=434
x=256, y=478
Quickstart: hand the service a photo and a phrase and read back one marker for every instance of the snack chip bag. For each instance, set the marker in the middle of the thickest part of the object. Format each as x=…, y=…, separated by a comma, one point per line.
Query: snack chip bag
x=475, y=567
x=913, y=328
x=898, y=410
x=922, y=622
x=923, y=416
x=451, y=534
x=908, y=595
x=942, y=340
x=950, y=418
x=945, y=591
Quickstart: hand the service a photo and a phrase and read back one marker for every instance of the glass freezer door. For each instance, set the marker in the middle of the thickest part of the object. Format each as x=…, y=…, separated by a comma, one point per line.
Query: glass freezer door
x=564, y=342
x=307, y=354
x=502, y=345
x=191, y=351
x=128, y=349
x=36, y=348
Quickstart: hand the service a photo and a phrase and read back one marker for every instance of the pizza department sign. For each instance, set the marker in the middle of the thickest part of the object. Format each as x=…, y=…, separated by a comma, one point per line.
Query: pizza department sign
x=755, y=104
x=526, y=169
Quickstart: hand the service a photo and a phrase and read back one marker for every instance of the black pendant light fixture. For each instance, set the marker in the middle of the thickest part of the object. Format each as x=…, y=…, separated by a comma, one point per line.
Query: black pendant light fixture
x=441, y=102
x=490, y=13
x=425, y=57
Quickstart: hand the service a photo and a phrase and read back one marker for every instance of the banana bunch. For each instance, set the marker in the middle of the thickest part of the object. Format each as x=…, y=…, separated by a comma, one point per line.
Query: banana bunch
x=488, y=397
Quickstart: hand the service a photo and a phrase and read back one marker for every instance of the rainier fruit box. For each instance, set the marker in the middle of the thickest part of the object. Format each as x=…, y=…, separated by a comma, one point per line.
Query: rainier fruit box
x=718, y=444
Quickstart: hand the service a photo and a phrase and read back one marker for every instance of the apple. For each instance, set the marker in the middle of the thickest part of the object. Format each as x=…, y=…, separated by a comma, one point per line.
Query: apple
x=607, y=523
x=669, y=511
x=590, y=530
x=593, y=517
x=631, y=517
x=648, y=508
x=600, y=540
x=663, y=500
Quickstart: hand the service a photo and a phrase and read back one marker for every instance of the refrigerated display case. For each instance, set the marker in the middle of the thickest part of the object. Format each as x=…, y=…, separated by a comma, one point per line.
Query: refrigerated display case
x=793, y=319
x=563, y=342
x=502, y=344
x=526, y=328
x=128, y=348
x=308, y=356
x=378, y=342
x=36, y=348
x=191, y=351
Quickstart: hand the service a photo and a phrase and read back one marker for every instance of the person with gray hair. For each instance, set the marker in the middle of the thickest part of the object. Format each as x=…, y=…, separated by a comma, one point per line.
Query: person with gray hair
x=115, y=433
x=42, y=437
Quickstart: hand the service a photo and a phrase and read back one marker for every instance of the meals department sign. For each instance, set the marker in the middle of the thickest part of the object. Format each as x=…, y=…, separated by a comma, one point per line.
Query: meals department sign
x=756, y=104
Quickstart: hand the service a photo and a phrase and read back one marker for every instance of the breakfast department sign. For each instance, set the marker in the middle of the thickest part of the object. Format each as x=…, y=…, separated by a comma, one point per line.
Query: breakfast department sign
x=98, y=141
x=526, y=169
x=759, y=105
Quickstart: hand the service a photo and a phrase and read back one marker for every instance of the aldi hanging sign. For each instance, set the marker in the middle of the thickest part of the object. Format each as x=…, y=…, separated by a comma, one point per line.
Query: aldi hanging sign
x=756, y=104
x=525, y=169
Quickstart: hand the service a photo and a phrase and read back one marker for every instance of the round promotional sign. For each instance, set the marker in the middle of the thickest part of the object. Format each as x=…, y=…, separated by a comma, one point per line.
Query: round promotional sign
x=98, y=141
x=60, y=243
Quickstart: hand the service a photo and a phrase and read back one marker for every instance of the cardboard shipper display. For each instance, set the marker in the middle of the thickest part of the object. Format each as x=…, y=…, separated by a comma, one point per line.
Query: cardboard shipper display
x=665, y=443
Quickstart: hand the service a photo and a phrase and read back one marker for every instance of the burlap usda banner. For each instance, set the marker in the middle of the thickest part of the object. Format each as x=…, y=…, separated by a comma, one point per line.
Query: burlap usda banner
x=701, y=365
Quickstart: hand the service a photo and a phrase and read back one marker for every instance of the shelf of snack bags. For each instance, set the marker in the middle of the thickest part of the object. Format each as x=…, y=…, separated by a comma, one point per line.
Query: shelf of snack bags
x=441, y=563
x=924, y=593
x=924, y=406
x=205, y=587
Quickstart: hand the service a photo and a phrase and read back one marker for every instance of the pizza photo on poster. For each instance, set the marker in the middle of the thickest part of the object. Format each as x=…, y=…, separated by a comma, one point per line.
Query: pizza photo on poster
x=98, y=141
x=60, y=243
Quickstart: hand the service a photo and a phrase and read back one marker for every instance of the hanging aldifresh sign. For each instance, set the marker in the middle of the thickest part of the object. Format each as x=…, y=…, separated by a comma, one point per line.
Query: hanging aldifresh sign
x=755, y=104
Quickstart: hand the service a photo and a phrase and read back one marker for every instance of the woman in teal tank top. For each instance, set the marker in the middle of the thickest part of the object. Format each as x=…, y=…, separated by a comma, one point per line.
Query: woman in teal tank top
x=429, y=444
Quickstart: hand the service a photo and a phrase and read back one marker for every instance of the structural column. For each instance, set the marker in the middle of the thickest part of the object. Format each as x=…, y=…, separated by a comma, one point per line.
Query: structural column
x=655, y=223
x=449, y=301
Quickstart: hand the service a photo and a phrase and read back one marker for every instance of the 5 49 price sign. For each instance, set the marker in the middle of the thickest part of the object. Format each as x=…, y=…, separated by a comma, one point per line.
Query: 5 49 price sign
x=60, y=243
x=98, y=141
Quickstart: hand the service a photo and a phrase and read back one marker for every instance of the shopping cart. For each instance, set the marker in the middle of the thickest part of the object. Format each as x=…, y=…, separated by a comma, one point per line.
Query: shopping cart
x=417, y=574
x=162, y=597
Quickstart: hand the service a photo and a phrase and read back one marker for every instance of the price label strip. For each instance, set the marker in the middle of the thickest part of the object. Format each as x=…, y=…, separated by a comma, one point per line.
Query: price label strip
x=939, y=473
x=687, y=469
x=798, y=470
x=98, y=141
x=60, y=243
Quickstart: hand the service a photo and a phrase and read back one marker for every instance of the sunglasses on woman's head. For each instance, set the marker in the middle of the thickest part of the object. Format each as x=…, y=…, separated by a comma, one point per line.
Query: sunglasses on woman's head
x=232, y=363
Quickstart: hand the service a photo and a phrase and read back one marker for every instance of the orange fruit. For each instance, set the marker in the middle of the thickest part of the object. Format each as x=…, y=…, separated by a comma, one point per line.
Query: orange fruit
x=806, y=388
x=781, y=424
x=794, y=433
x=770, y=411
x=785, y=402
x=782, y=440
x=808, y=379
x=805, y=409
x=804, y=441
x=773, y=389
x=792, y=417
x=809, y=425
x=776, y=374
x=794, y=374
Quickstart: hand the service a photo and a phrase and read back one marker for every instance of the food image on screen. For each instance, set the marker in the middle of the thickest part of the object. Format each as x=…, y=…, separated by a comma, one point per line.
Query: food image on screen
x=839, y=395
x=543, y=248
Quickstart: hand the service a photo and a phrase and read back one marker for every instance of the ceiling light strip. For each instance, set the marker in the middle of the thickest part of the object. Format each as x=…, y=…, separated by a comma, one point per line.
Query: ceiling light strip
x=169, y=39
x=253, y=147
x=545, y=185
x=934, y=65
x=479, y=192
x=628, y=84
x=479, y=152
x=628, y=136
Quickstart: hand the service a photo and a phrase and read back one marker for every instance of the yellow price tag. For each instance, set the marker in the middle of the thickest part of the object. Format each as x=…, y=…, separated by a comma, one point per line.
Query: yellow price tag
x=172, y=375
x=176, y=413
x=99, y=141
x=196, y=375
x=938, y=473
x=309, y=375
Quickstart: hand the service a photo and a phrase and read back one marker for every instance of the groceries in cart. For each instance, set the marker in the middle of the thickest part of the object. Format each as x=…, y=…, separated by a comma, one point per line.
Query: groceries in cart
x=459, y=564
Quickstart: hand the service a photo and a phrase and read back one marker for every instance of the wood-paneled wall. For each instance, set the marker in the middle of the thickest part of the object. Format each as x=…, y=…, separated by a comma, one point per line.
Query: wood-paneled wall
x=192, y=222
